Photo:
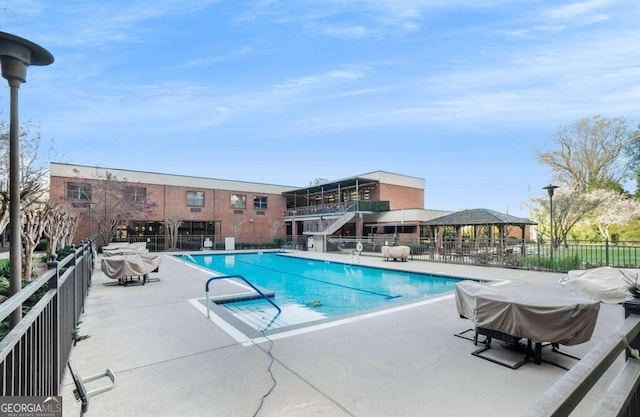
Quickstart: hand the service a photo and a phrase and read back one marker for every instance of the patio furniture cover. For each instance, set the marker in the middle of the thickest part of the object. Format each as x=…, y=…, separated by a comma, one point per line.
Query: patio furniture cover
x=396, y=252
x=123, y=250
x=606, y=284
x=538, y=313
x=122, y=266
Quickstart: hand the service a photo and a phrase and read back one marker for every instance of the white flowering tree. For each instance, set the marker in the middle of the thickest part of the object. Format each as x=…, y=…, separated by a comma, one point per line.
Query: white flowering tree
x=569, y=207
x=616, y=209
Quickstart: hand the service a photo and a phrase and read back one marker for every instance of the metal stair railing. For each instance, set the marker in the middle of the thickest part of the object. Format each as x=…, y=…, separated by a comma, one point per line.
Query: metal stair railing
x=262, y=295
x=288, y=245
x=338, y=223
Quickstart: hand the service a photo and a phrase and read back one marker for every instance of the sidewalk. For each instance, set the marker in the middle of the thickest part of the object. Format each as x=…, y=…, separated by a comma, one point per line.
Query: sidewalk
x=171, y=361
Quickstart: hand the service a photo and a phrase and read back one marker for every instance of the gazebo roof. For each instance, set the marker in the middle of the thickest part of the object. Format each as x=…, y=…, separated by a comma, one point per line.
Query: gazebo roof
x=478, y=217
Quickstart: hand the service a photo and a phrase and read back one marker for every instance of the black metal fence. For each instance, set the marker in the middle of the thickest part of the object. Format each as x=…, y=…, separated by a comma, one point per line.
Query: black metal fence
x=159, y=243
x=34, y=353
x=510, y=253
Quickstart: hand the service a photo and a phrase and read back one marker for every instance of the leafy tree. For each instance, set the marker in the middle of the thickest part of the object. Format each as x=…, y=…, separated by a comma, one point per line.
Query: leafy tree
x=569, y=207
x=591, y=153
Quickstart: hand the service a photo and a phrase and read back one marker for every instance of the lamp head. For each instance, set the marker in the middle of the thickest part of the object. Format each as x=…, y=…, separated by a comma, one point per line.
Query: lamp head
x=550, y=189
x=17, y=54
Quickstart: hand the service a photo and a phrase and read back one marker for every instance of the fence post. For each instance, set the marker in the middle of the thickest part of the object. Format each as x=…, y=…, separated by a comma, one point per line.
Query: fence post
x=54, y=282
x=606, y=251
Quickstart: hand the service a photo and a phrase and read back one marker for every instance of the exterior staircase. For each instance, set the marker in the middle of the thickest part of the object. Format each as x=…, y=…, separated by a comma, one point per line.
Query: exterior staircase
x=329, y=226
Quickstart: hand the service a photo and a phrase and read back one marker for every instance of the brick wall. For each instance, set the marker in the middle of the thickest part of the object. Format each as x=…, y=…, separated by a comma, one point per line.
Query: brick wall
x=172, y=200
x=400, y=197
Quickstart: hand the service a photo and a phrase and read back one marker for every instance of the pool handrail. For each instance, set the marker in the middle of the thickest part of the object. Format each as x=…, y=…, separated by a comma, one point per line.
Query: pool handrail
x=262, y=295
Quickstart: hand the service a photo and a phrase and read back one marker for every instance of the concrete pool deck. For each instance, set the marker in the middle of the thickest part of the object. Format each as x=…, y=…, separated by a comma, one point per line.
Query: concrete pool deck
x=171, y=361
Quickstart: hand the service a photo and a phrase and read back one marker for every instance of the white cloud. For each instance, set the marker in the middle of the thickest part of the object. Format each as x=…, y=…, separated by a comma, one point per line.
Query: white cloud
x=350, y=31
x=589, y=9
x=235, y=54
x=327, y=77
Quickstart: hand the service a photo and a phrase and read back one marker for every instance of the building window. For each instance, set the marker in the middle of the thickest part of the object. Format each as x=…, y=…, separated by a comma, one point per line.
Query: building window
x=195, y=198
x=78, y=191
x=135, y=194
x=238, y=201
x=260, y=203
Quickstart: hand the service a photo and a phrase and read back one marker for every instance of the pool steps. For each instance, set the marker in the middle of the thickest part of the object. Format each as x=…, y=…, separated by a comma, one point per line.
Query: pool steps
x=248, y=296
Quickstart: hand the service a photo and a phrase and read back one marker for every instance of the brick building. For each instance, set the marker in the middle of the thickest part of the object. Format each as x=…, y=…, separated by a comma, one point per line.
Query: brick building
x=379, y=203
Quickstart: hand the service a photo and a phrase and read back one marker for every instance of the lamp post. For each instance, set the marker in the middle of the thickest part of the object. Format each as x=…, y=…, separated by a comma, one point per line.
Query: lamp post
x=550, y=189
x=16, y=54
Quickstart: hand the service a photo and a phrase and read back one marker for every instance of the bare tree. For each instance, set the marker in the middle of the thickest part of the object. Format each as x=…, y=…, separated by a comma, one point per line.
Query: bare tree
x=590, y=153
x=34, y=219
x=172, y=223
x=71, y=222
x=33, y=169
x=58, y=228
x=236, y=227
x=274, y=227
x=114, y=202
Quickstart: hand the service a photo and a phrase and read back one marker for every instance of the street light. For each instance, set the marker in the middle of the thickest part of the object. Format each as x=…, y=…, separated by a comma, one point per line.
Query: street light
x=550, y=189
x=16, y=54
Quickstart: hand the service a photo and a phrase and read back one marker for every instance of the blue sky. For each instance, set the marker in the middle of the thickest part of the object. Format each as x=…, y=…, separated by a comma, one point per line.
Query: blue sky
x=457, y=92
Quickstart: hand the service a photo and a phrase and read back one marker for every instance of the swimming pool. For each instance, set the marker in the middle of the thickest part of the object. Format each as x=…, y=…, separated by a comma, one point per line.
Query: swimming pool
x=309, y=290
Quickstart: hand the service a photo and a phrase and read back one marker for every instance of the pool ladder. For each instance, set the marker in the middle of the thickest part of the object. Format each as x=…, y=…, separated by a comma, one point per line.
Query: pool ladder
x=262, y=295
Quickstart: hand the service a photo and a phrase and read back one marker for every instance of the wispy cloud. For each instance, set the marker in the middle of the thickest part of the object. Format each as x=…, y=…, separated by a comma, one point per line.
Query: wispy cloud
x=343, y=18
x=235, y=54
x=330, y=76
x=101, y=22
x=346, y=31
x=589, y=10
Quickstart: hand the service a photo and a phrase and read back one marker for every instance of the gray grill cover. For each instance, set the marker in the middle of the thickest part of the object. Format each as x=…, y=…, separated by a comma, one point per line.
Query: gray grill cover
x=122, y=266
x=542, y=314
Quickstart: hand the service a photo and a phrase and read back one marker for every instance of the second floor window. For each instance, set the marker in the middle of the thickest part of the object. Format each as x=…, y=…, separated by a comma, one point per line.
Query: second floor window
x=79, y=191
x=135, y=194
x=238, y=201
x=260, y=203
x=195, y=198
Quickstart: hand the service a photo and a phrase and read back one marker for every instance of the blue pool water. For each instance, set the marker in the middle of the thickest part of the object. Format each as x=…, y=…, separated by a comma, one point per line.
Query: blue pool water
x=309, y=290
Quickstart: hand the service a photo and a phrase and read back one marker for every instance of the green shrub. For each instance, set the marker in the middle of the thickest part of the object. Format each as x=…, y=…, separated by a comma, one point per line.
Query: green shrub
x=513, y=261
x=4, y=286
x=561, y=264
x=64, y=252
x=5, y=269
x=483, y=258
x=42, y=245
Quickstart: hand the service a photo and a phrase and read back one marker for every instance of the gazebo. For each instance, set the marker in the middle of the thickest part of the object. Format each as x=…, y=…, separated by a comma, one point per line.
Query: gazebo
x=478, y=219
